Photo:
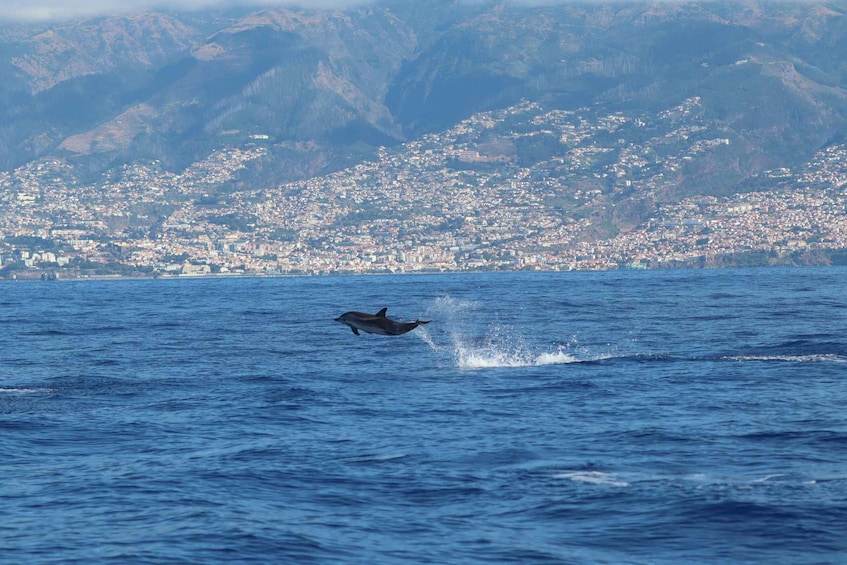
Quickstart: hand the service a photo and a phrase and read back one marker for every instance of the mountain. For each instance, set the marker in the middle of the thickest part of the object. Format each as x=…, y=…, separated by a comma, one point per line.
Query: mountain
x=326, y=88
x=109, y=91
x=766, y=72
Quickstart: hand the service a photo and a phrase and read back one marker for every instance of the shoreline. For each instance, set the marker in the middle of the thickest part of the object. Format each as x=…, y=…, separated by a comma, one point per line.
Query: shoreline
x=37, y=275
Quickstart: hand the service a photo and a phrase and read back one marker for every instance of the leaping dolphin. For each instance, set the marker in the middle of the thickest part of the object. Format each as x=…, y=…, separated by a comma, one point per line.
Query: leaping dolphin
x=377, y=323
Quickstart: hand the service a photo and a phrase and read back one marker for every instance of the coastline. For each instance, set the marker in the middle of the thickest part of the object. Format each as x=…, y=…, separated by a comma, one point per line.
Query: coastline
x=811, y=258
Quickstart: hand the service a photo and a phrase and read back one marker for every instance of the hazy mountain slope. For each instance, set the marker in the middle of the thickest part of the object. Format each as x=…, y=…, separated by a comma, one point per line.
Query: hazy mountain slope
x=98, y=46
x=63, y=80
x=325, y=87
x=318, y=76
x=768, y=73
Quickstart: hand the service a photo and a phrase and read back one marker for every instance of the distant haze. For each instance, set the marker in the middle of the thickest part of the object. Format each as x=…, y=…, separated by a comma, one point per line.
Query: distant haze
x=51, y=10
x=54, y=10
x=44, y=10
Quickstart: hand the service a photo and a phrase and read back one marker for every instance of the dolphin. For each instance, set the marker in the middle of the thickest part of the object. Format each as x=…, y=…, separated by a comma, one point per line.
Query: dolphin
x=377, y=323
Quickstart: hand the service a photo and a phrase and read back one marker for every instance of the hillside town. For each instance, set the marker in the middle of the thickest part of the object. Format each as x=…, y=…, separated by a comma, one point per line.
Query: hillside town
x=514, y=189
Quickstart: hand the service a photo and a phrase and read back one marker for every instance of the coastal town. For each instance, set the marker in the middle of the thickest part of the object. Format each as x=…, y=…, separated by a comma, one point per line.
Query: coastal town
x=522, y=188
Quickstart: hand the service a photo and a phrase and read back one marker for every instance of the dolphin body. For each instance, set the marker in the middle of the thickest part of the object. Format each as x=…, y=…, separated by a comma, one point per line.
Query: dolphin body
x=377, y=323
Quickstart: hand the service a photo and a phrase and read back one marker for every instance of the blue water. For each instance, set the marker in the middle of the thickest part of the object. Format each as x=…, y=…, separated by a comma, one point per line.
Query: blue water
x=621, y=417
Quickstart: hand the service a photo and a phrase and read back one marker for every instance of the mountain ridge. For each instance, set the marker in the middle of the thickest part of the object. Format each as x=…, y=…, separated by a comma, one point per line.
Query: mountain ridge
x=175, y=87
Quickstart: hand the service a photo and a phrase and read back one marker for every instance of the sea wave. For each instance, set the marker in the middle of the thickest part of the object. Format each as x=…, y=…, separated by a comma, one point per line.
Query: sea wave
x=27, y=391
x=812, y=358
x=701, y=480
x=592, y=477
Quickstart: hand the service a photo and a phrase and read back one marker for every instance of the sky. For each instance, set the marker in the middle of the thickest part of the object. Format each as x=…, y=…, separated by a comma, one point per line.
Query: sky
x=41, y=10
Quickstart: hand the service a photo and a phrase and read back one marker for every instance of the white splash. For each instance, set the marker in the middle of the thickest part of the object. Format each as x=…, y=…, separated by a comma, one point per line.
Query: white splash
x=423, y=333
x=557, y=358
x=491, y=357
x=501, y=346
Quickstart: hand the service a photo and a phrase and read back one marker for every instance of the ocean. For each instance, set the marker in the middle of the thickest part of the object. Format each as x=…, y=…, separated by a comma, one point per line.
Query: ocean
x=650, y=417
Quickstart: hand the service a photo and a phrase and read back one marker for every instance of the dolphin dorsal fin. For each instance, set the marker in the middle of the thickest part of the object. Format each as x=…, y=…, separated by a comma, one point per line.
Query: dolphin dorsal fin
x=381, y=313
